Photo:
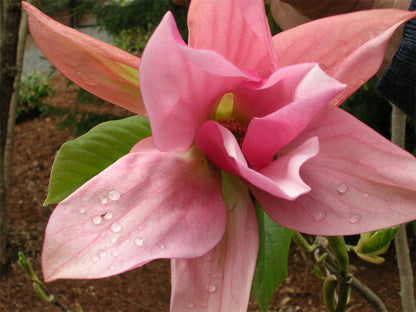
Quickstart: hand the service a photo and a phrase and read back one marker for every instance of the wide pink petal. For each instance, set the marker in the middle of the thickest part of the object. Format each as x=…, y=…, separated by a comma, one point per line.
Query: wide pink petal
x=147, y=205
x=221, y=279
x=359, y=181
x=181, y=86
x=349, y=47
x=280, y=178
x=266, y=135
x=95, y=66
x=236, y=29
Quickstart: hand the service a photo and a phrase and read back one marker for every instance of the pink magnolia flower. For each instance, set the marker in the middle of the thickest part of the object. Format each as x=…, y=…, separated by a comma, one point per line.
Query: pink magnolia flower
x=234, y=111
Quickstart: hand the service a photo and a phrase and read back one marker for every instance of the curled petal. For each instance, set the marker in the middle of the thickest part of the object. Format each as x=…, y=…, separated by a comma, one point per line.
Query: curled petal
x=99, y=68
x=221, y=279
x=270, y=133
x=181, y=86
x=145, y=206
x=349, y=47
x=359, y=181
x=236, y=29
x=280, y=178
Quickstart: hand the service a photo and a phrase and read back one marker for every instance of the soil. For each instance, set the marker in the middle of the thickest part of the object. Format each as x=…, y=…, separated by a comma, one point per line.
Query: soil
x=146, y=288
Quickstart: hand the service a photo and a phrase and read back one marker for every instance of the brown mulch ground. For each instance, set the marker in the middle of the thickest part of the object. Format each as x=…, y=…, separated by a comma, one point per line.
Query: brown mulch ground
x=146, y=288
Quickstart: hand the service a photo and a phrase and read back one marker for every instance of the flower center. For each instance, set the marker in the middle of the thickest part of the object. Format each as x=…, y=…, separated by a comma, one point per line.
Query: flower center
x=235, y=127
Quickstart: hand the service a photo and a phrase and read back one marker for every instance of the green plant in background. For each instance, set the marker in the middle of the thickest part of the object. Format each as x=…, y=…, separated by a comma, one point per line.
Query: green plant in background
x=51, y=7
x=131, y=23
x=34, y=89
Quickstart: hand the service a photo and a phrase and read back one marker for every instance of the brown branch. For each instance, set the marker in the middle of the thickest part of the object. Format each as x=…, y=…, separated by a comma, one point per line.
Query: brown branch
x=398, y=132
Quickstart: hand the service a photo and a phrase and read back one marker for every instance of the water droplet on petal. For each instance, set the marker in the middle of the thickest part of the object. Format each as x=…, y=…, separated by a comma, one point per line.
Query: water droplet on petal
x=102, y=253
x=211, y=288
x=81, y=210
x=160, y=245
x=365, y=195
x=95, y=258
x=111, y=268
x=113, y=239
x=115, y=253
x=320, y=216
x=342, y=188
x=115, y=227
x=103, y=200
x=114, y=195
x=108, y=215
x=190, y=305
x=138, y=242
x=354, y=218
x=97, y=220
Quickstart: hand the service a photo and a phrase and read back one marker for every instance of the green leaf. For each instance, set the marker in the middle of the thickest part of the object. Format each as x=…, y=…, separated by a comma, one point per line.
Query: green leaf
x=81, y=159
x=271, y=268
x=373, y=244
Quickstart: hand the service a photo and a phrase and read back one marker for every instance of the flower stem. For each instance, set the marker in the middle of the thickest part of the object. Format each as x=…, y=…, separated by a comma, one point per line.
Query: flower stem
x=339, y=249
x=301, y=242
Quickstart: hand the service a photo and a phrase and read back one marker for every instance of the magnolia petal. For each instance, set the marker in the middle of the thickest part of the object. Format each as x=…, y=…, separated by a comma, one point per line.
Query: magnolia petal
x=276, y=91
x=147, y=205
x=181, y=86
x=270, y=133
x=280, y=178
x=349, y=47
x=236, y=29
x=221, y=279
x=360, y=181
x=95, y=66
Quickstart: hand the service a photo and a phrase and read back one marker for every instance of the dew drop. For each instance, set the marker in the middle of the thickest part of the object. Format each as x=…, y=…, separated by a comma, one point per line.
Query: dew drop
x=113, y=239
x=103, y=200
x=102, y=253
x=111, y=268
x=342, y=188
x=320, y=216
x=115, y=227
x=160, y=245
x=81, y=210
x=211, y=288
x=95, y=258
x=114, y=195
x=365, y=195
x=115, y=253
x=108, y=215
x=97, y=220
x=138, y=242
x=354, y=218
x=190, y=305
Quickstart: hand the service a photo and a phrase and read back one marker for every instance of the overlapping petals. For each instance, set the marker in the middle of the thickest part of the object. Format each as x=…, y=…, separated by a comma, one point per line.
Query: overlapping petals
x=221, y=279
x=169, y=205
x=359, y=181
x=267, y=134
x=311, y=166
x=280, y=178
x=181, y=85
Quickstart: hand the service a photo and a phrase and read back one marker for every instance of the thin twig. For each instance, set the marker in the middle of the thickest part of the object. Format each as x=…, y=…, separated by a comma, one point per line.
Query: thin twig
x=398, y=132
